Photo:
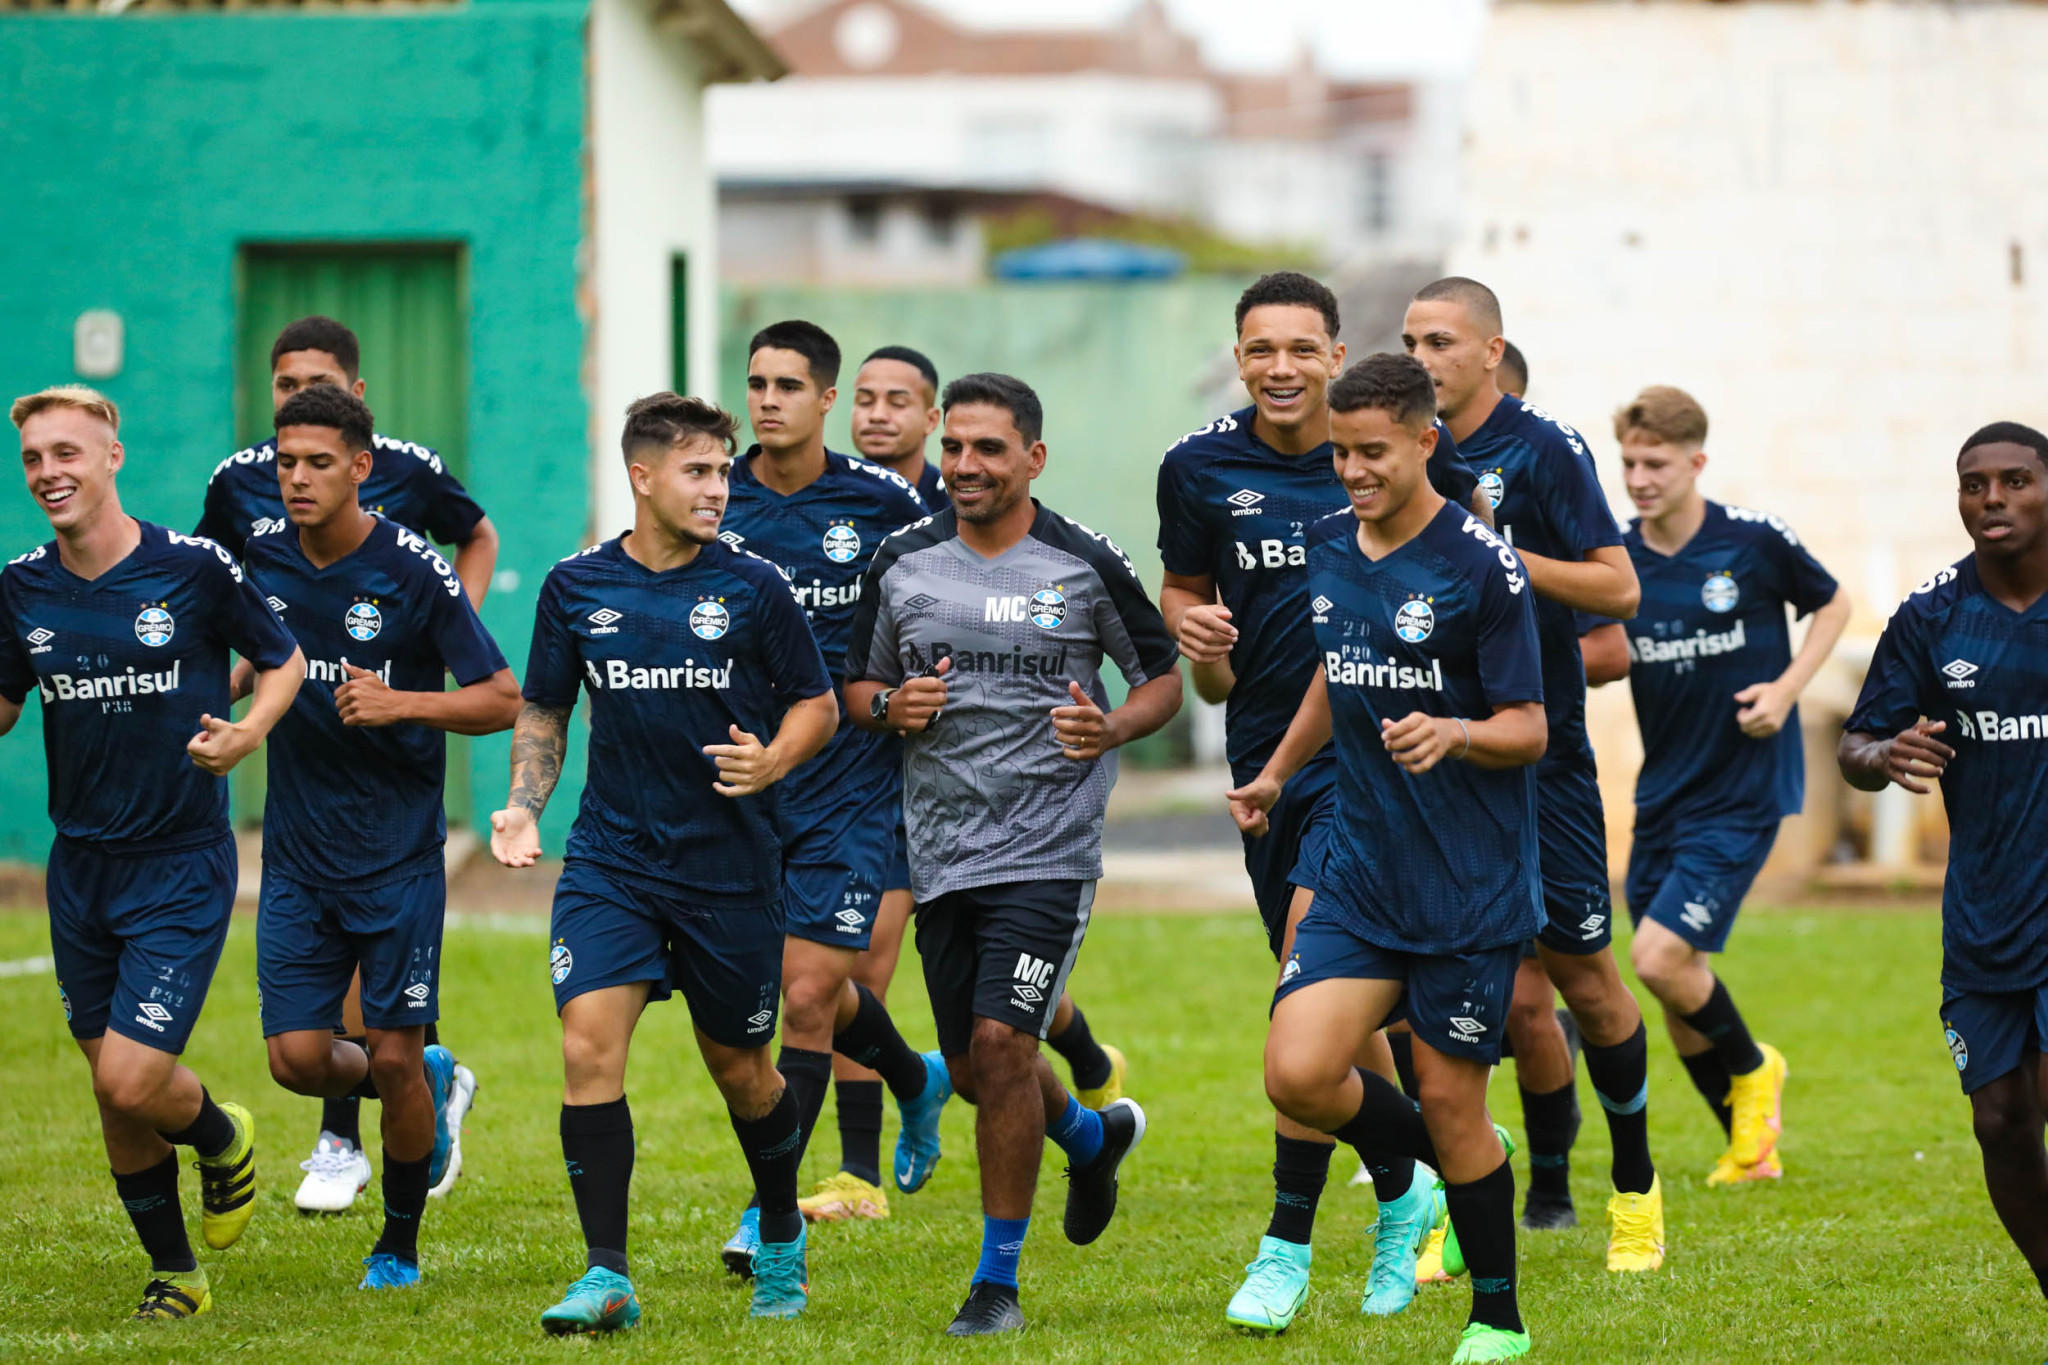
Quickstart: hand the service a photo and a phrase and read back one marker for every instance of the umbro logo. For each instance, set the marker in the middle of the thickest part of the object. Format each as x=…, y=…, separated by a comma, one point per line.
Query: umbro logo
x=732, y=537
x=602, y=621
x=851, y=917
x=1246, y=501
x=1030, y=995
x=759, y=1021
x=1322, y=606
x=1590, y=926
x=923, y=601
x=1468, y=1028
x=1697, y=917
x=1958, y=672
x=151, y=1015
x=277, y=604
x=39, y=640
x=418, y=991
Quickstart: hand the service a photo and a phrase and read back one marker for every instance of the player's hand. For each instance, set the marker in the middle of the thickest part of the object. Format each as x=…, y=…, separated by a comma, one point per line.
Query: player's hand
x=1916, y=753
x=745, y=766
x=515, y=837
x=1083, y=730
x=916, y=704
x=1206, y=635
x=1765, y=708
x=220, y=745
x=1249, y=804
x=365, y=699
x=1418, y=742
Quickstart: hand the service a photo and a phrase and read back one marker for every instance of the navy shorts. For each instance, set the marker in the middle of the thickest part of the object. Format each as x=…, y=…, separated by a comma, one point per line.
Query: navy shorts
x=1000, y=952
x=1291, y=851
x=726, y=960
x=835, y=868
x=1993, y=1034
x=136, y=939
x=1455, y=1002
x=310, y=940
x=1571, y=828
x=1693, y=884
x=898, y=876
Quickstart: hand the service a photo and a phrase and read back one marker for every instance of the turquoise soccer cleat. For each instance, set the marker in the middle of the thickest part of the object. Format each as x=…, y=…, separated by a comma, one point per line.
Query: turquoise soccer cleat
x=440, y=1085
x=385, y=1271
x=782, y=1286
x=738, y=1252
x=1274, y=1289
x=602, y=1301
x=917, y=1142
x=1398, y=1238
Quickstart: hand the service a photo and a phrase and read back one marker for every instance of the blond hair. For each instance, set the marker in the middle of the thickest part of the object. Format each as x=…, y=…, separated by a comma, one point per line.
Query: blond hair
x=1665, y=414
x=76, y=396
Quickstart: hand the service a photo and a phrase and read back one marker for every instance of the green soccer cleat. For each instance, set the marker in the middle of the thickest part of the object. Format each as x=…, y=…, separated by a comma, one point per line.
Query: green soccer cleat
x=173, y=1296
x=227, y=1183
x=782, y=1286
x=1274, y=1289
x=1398, y=1239
x=1481, y=1343
x=602, y=1301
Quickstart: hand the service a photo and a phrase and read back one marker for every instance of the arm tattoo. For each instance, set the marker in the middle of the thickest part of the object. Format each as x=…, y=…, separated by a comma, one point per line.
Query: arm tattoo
x=539, y=740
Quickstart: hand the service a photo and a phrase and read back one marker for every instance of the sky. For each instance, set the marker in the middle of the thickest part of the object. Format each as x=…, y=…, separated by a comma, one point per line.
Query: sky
x=1355, y=38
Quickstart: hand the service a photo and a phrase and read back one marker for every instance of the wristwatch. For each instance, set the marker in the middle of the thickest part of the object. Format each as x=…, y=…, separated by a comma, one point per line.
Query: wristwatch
x=878, y=705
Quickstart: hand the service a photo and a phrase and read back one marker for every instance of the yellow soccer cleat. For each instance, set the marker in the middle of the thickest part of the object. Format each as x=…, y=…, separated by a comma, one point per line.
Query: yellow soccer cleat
x=841, y=1196
x=227, y=1183
x=1757, y=1100
x=1429, y=1262
x=1635, y=1240
x=173, y=1297
x=1728, y=1172
x=1111, y=1090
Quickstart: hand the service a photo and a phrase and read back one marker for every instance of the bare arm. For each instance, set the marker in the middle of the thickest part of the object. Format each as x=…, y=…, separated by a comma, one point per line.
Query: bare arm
x=1482, y=506
x=746, y=765
x=1214, y=681
x=1306, y=735
x=1869, y=763
x=10, y=712
x=221, y=744
x=475, y=562
x=1195, y=618
x=540, y=741
x=1605, y=650
x=1604, y=582
x=484, y=707
x=1767, y=706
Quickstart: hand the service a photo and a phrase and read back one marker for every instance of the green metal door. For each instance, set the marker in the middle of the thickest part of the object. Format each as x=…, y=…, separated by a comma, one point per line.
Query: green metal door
x=408, y=305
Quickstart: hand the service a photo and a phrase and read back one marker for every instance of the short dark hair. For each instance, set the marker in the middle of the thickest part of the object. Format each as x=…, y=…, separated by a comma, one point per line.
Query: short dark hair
x=662, y=421
x=2008, y=433
x=1513, y=362
x=917, y=360
x=1482, y=303
x=1396, y=384
x=1289, y=287
x=808, y=340
x=1003, y=391
x=318, y=333
x=324, y=405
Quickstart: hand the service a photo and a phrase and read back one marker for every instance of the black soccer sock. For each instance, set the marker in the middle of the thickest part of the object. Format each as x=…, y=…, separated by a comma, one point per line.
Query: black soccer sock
x=1710, y=1077
x=597, y=1147
x=860, y=1128
x=1621, y=1078
x=433, y=1038
x=405, y=1200
x=807, y=1076
x=1720, y=1023
x=774, y=1148
x=870, y=1038
x=210, y=1134
x=1087, y=1061
x=342, y=1115
x=1552, y=1122
x=1300, y=1170
x=1387, y=1124
x=1483, y=1212
x=151, y=1198
x=1403, y=1045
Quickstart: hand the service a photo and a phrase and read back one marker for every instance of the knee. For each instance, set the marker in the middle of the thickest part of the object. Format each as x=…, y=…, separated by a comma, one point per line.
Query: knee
x=1658, y=964
x=589, y=1057
x=810, y=1005
x=1000, y=1053
x=129, y=1094
x=1527, y=1016
x=395, y=1070
x=747, y=1079
x=2003, y=1132
x=1300, y=1086
x=301, y=1070
x=961, y=1070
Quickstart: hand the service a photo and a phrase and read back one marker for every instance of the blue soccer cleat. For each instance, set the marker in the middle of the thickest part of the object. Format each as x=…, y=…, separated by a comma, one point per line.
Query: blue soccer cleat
x=917, y=1142
x=602, y=1301
x=738, y=1252
x=386, y=1271
x=1404, y=1227
x=1274, y=1289
x=441, y=1087
x=782, y=1286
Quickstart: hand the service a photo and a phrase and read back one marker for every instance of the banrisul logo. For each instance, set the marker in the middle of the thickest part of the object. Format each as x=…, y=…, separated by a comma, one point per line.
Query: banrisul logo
x=1719, y=592
x=363, y=622
x=154, y=625
x=842, y=542
x=709, y=620
x=1048, y=608
x=1414, y=620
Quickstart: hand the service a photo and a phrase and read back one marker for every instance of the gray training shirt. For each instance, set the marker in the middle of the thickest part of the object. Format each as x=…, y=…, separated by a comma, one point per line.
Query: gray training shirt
x=987, y=795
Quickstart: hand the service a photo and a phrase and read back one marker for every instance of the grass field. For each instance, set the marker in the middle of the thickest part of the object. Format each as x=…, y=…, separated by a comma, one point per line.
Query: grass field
x=1878, y=1246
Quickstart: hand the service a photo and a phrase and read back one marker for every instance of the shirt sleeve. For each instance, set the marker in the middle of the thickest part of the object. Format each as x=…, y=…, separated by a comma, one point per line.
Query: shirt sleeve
x=17, y=674
x=1575, y=507
x=1892, y=695
x=448, y=510
x=871, y=654
x=243, y=618
x=1800, y=578
x=554, y=665
x=796, y=666
x=1510, y=657
x=1449, y=473
x=1584, y=623
x=466, y=649
x=217, y=520
x=1132, y=631
x=1184, y=546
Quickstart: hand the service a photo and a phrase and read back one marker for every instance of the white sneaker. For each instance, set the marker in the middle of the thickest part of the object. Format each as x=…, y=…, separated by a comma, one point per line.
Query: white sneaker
x=1364, y=1177
x=461, y=1098
x=336, y=1173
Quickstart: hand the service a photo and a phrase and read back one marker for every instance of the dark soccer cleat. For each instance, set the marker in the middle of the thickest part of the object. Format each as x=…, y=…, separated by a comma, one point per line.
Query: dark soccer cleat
x=1091, y=1189
x=989, y=1310
x=1549, y=1212
x=174, y=1296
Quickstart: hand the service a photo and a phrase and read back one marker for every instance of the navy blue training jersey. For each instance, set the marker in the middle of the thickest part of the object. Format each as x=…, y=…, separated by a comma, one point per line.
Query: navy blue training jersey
x=671, y=660
x=360, y=806
x=1954, y=654
x=408, y=484
x=1538, y=474
x=1712, y=622
x=823, y=536
x=1444, y=862
x=126, y=665
x=931, y=489
x=1235, y=509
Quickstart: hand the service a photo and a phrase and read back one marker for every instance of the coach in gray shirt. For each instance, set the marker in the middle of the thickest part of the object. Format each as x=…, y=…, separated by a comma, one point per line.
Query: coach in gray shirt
x=980, y=638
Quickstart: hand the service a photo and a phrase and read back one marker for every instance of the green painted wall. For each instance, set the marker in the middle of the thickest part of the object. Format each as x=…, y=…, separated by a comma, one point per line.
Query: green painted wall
x=141, y=152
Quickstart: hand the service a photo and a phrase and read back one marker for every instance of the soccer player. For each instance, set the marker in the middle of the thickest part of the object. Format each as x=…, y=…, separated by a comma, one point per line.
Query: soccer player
x=381, y=617
x=895, y=412
x=819, y=515
x=976, y=628
x=408, y=485
x=102, y=621
x=1431, y=687
x=690, y=650
x=1236, y=500
x=1955, y=693
x=1513, y=375
x=1716, y=688
x=1549, y=506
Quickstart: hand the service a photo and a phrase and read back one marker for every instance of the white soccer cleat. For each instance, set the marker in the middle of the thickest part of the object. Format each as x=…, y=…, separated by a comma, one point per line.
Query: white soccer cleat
x=336, y=1173
x=461, y=1098
x=1364, y=1177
